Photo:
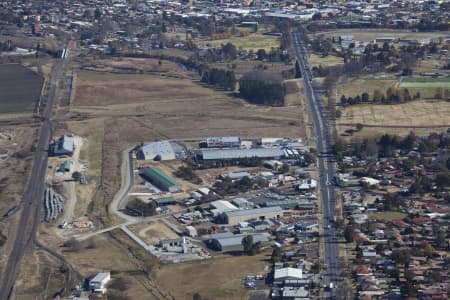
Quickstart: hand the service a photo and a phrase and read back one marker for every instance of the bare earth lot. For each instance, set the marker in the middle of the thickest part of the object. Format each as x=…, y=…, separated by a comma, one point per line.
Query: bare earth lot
x=422, y=116
x=20, y=89
x=218, y=278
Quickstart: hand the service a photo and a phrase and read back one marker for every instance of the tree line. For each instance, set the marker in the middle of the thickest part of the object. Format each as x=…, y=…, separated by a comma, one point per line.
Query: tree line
x=262, y=88
x=220, y=78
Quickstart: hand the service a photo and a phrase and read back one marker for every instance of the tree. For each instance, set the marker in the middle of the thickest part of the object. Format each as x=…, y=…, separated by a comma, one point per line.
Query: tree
x=196, y=296
x=298, y=72
x=247, y=243
x=284, y=168
x=261, y=54
x=365, y=97
x=76, y=176
x=443, y=179
x=229, y=51
x=349, y=231
x=276, y=255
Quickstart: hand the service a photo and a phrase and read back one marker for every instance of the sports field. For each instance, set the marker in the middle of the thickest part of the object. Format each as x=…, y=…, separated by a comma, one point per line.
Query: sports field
x=426, y=82
x=20, y=88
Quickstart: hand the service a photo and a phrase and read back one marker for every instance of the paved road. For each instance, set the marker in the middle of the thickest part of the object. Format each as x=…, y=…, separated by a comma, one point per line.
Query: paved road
x=326, y=168
x=34, y=192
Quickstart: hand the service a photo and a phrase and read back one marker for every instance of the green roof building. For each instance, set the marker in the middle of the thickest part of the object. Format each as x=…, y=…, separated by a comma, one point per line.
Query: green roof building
x=64, y=167
x=161, y=180
x=166, y=201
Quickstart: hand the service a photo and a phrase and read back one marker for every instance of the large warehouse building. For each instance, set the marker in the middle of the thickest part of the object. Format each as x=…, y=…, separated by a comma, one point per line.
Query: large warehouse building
x=237, y=216
x=162, y=150
x=162, y=181
x=230, y=154
x=233, y=243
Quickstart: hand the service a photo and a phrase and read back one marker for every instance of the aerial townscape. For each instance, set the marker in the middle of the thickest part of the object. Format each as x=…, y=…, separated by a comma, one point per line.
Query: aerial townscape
x=221, y=150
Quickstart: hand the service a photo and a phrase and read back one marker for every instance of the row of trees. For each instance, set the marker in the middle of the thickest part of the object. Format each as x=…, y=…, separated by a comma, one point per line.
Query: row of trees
x=219, y=78
x=392, y=95
x=262, y=88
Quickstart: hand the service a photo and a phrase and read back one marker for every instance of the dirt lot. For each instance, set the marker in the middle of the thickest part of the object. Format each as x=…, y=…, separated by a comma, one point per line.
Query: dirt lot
x=422, y=116
x=14, y=98
x=153, y=232
x=219, y=278
x=135, y=65
x=253, y=42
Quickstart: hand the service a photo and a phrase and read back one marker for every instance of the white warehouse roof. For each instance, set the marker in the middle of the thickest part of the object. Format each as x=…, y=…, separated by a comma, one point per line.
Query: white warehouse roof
x=162, y=148
x=211, y=154
x=250, y=212
x=288, y=273
x=223, y=206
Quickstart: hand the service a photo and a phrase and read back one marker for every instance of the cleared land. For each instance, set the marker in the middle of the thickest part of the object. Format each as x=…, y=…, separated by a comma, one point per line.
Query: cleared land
x=422, y=116
x=117, y=111
x=219, y=278
x=388, y=216
x=367, y=35
x=20, y=89
x=357, y=86
x=253, y=41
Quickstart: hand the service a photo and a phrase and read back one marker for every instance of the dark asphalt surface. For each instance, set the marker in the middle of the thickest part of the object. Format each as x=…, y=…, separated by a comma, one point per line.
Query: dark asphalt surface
x=326, y=169
x=34, y=191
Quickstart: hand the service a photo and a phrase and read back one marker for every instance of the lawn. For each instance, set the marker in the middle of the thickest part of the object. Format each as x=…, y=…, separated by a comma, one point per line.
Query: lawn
x=426, y=82
x=218, y=278
x=20, y=89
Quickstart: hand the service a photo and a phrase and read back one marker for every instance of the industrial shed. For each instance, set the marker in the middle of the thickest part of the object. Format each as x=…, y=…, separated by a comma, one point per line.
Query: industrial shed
x=162, y=150
x=223, y=142
x=162, y=181
x=234, y=243
x=64, y=145
x=230, y=154
x=237, y=216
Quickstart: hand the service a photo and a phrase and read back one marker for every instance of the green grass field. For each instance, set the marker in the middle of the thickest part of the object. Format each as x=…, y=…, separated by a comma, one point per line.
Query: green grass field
x=426, y=82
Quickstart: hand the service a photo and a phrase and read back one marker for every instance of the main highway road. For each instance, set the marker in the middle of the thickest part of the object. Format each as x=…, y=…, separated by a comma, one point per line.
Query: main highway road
x=325, y=165
x=25, y=236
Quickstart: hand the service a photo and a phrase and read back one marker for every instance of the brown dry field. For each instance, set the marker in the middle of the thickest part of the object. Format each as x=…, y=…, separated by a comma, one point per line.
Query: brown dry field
x=116, y=111
x=136, y=64
x=14, y=175
x=367, y=35
x=218, y=278
x=421, y=116
x=39, y=277
x=119, y=255
x=243, y=66
x=327, y=61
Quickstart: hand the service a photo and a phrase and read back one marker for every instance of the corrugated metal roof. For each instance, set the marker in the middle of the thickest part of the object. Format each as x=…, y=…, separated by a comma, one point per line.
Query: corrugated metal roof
x=157, y=174
x=254, y=211
x=237, y=239
x=209, y=154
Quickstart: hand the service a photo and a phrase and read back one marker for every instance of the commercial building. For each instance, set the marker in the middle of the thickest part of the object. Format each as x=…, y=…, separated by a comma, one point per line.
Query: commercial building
x=223, y=142
x=221, y=206
x=231, y=154
x=233, y=243
x=234, y=217
x=161, y=150
x=98, y=283
x=64, y=145
x=162, y=181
